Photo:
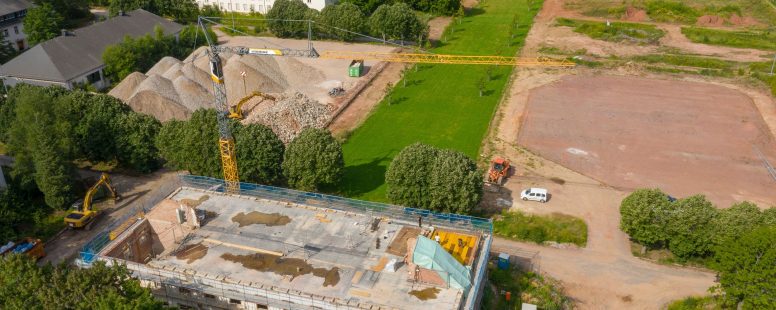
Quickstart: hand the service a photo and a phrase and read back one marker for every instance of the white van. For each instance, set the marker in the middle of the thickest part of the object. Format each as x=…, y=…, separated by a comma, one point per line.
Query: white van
x=535, y=194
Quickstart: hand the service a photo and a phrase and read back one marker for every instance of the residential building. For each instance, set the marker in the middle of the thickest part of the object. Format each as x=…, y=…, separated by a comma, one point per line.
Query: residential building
x=277, y=248
x=12, y=13
x=75, y=57
x=260, y=6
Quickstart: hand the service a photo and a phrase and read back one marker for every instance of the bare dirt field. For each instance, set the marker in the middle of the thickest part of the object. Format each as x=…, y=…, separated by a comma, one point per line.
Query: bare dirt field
x=629, y=132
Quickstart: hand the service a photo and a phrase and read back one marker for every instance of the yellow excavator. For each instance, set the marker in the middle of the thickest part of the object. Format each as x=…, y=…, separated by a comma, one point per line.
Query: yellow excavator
x=83, y=214
x=236, y=112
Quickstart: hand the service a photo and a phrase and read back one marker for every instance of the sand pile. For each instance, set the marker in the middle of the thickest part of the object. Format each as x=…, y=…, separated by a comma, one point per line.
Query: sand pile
x=290, y=114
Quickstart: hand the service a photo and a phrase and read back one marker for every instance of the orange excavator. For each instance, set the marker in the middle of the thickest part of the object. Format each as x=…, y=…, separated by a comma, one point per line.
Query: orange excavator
x=499, y=168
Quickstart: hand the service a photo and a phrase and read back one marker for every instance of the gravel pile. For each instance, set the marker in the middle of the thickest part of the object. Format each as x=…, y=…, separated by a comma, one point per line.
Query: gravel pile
x=290, y=114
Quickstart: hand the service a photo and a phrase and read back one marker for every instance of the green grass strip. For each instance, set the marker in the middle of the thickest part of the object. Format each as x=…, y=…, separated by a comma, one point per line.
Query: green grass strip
x=441, y=104
x=764, y=40
x=616, y=31
x=555, y=227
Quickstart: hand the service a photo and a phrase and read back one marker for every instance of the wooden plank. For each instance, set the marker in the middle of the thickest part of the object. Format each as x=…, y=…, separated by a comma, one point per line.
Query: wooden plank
x=242, y=247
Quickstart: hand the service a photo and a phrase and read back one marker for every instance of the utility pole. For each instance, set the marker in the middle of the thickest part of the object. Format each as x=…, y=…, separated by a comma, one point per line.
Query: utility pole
x=245, y=89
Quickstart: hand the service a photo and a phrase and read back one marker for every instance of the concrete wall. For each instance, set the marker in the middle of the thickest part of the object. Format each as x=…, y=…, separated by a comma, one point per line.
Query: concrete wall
x=136, y=247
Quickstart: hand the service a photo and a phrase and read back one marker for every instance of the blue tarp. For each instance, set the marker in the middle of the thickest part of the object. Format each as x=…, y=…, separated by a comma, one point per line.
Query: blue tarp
x=430, y=255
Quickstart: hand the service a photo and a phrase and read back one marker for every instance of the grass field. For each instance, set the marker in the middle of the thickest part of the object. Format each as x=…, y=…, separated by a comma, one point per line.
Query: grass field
x=441, y=105
x=537, y=228
x=616, y=31
x=764, y=40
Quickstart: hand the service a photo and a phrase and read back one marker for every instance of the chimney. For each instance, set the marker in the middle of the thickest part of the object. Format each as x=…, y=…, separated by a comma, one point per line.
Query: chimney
x=64, y=32
x=121, y=12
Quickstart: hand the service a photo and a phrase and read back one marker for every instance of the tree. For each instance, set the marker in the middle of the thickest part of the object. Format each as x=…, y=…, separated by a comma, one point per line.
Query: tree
x=366, y=6
x=42, y=23
x=733, y=222
x=396, y=22
x=643, y=216
x=60, y=287
x=280, y=15
x=691, y=232
x=455, y=183
x=769, y=216
x=259, y=154
x=142, y=53
x=345, y=16
x=7, y=51
x=312, y=160
x=135, y=146
x=747, y=268
x=408, y=174
x=192, y=145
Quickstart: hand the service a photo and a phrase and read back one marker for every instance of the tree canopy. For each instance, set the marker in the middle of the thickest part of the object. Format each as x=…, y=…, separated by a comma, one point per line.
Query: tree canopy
x=179, y=10
x=747, y=268
x=313, y=160
x=42, y=23
x=259, y=154
x=426, y=177
x=691, y=227
x=733, y=222
x=7, y=51
x=24, y=285
x=345, y=16
x=282, y=16
x=644, y=216
x=397, y=22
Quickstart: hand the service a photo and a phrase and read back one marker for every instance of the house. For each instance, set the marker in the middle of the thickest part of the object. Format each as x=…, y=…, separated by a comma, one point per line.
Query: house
x=12, y=14
x=260, y=6
x=75, y=57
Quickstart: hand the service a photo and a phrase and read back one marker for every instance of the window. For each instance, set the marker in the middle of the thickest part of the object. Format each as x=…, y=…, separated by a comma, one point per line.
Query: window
x=245, y=7
x=210, y=296
x=94, y=77
x=16, y=29
x=5, y=32
x=230, y=6
x=234, y=301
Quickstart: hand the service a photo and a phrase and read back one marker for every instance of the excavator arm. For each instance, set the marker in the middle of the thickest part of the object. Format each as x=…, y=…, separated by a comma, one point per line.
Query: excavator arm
x=235, y=112
x=104, y=180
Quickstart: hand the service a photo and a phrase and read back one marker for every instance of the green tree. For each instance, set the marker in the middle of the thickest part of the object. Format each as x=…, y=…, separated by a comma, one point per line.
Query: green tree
x=7, y=51
x=643, y=216
x=281, y=16
x=735, y=221
x=120, y=60
x=396, y=22
x=769, y=216
x=48, y=287
x=70, y=10
x=259, y=154
x=690, y=227
x=366, y=6
x=455, y=183
x=135, y=146
x=313, y=160
x=345, y=16
x=42, y=23
x=142, y=53
x=192, y=145
x=747, y=268
x=408, y=174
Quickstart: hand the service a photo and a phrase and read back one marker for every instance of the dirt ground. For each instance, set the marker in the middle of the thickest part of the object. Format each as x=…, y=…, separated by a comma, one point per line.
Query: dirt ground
x=682, y=137
x=544, y=33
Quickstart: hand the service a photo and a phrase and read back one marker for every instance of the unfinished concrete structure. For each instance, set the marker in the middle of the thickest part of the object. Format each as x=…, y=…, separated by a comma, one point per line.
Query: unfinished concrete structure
x=274, y=248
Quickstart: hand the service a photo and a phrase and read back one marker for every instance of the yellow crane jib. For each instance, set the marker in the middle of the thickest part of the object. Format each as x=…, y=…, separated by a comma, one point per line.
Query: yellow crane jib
x=235, y=112
x=82, y=215
x=449, y=59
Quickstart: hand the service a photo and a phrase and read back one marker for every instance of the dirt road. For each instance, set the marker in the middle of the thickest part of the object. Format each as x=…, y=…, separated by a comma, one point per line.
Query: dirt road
x=136, y=192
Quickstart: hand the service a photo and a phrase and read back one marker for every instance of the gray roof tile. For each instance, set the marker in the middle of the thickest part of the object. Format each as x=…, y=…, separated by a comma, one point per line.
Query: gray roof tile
x=11, y=6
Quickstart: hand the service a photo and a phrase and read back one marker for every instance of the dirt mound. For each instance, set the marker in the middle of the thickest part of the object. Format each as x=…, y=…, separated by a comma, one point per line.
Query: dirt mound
x=291, y=113
x=127, y=87
x=634, y=15
x=161, y=86
x=173, y=72
x=710, y=20
x=264, y=78
x=197, y=75
x=163, y=65
x=737, y=20
x=192, y=95
x=152, y=103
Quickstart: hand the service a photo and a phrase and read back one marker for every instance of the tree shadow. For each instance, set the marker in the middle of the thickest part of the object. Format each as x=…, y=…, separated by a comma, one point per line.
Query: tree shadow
x=488, y=93
x=364, y=178
x=475, y=11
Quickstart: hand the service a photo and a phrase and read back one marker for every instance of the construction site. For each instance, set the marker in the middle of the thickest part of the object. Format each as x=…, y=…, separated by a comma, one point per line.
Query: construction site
x=274, y=248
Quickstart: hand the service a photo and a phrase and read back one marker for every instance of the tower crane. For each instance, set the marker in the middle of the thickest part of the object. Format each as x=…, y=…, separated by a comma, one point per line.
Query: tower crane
x=226, y=145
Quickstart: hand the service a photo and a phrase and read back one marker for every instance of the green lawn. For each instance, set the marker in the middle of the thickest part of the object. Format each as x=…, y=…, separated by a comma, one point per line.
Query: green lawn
x=441, y=105
x=555, y=227
x=616, y=31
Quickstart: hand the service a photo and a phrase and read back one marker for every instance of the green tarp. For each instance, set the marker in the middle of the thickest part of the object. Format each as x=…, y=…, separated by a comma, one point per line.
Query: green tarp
x=430, y=255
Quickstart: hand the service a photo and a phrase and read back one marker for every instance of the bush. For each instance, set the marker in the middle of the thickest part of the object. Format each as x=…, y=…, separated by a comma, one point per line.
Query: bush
x=765, y=40
x=396, y=22
x=313, y=160
x=556, y=227
x=345, y=16
x=425, y=177
x=691, y=227
x=747, y=269
x=284, y=10
x=644, y=214
x=259, y=154
x=616, y=31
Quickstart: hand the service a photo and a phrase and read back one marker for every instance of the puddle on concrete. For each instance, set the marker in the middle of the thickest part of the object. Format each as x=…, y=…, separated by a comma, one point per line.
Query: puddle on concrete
x=194, y=203
x=293, y=267
x=256, y=217
x=426, y=294
x=191, y=252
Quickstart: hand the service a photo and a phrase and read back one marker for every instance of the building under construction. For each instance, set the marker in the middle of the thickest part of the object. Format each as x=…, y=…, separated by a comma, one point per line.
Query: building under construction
x=274, y=248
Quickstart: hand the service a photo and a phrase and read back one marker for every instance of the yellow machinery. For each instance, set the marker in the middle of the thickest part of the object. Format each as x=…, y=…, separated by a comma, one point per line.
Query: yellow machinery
x=235, y=112
x=226, y=141
x=83, y=214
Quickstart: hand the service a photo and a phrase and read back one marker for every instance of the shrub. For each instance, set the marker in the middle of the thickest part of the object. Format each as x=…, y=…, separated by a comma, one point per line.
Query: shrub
x=556, y=227
x=313, y=160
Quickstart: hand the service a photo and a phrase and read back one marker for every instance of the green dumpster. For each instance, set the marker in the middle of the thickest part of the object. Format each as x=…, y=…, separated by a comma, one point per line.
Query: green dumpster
x=355, y=68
